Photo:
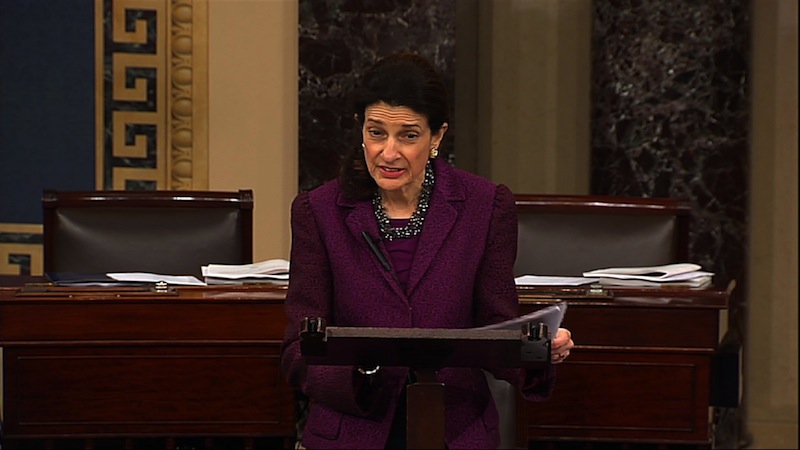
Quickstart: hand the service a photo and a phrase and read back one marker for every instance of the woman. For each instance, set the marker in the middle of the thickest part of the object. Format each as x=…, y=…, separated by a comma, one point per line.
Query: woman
x=447, y=242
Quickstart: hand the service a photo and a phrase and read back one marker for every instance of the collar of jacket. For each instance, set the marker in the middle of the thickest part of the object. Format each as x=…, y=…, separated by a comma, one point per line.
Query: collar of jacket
x=442, y=216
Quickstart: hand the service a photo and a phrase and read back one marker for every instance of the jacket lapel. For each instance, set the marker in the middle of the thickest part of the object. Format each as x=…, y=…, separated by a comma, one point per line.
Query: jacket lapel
x=362, y=218
x=441, y=218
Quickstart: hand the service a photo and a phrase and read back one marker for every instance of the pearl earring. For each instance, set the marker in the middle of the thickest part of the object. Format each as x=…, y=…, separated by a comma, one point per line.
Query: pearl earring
x=434, y=152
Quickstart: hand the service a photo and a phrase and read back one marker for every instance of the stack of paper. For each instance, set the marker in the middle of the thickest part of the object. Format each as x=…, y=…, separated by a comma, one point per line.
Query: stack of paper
x=271, y=271
x=679, y=274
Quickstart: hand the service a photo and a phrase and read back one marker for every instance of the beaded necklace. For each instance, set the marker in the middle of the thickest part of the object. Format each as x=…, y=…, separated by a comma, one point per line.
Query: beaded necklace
x=414, y=226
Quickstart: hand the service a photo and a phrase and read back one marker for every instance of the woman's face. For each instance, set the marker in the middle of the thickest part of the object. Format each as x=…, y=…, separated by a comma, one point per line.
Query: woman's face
x=397, y=145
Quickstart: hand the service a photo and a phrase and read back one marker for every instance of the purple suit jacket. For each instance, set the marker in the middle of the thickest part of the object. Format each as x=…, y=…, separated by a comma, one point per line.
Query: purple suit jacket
x=461, y=277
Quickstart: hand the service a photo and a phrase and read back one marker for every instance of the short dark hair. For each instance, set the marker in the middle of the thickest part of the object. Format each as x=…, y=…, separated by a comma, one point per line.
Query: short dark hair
x=401, y=79
x=404, y=79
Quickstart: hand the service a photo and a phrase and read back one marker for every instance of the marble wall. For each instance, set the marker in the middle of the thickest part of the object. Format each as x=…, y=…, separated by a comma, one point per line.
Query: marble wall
x=670, y=115
x=669, y=99
x=671, y=118
x=341, y=38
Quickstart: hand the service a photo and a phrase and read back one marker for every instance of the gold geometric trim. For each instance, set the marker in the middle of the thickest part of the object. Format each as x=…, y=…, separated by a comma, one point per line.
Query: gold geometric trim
x=177, y=131
x=34, y=251
x=21, y=228
x=137, y=148
x=123, y=174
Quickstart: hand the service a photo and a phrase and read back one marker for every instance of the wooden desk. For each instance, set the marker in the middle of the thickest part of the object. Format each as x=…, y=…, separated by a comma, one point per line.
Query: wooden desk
x=197, y=362
x=205, y=362
x=641, y=371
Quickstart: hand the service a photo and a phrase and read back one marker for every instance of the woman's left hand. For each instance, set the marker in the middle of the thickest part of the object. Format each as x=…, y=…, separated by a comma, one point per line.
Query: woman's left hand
x=560, y=346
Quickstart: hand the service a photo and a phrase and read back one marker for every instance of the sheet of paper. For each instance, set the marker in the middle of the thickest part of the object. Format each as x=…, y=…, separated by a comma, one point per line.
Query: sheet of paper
x=143, y=277
x=697, y=282
x=538, y=280
x=551, y=315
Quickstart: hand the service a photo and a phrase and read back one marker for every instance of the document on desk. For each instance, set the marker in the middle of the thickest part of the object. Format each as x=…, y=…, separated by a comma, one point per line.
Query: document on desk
x=540, y=280
x=552, y=316
x=118, y=279
x=73, y=279
x=144, y=277
x=666, y=272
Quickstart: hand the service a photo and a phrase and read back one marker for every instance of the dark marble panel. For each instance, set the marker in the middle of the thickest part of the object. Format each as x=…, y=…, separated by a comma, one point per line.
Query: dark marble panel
x=671, y=114
x=341, y=38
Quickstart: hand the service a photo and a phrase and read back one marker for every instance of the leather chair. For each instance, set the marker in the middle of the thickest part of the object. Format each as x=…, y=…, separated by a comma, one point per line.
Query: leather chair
x=567, y=235
x=166, y=232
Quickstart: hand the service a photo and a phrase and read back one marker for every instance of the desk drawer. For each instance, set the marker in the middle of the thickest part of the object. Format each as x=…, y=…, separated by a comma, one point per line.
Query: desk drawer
x=626, y=396
x=591, y=325
x=127, y=320
x=145, y=391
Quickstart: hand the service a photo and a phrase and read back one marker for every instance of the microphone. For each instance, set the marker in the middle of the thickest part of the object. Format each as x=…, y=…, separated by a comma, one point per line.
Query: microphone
x=377, y=251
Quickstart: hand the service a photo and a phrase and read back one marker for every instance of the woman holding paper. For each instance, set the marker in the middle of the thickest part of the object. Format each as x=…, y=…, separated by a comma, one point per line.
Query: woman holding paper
x=402, y=239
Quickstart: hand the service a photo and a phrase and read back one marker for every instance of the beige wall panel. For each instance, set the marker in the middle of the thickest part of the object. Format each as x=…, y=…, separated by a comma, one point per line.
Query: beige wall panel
x=537, y=111
x=253, y=111
x=771, y=349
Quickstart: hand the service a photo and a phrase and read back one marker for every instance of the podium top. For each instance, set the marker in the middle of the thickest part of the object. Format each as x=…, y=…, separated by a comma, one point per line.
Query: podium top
x=423, y=347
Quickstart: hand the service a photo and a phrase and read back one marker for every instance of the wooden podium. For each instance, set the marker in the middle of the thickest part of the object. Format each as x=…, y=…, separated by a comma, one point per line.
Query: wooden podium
x=425, y=350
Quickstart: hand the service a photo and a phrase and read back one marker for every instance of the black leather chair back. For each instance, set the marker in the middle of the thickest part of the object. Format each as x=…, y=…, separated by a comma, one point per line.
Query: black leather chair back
x=568, y=235
x=166, y=232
